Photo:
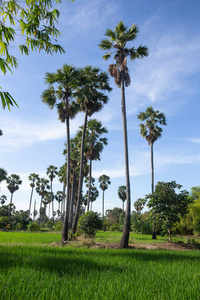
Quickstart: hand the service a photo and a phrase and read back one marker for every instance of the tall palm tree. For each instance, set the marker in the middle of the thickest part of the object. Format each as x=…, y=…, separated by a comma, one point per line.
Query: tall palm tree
x=3, y=199
x=150, y=130
x=33, y=178
x=122, y=194
x=52, y=172
x=116, y=40
x=62, y=86
x=104, y=181
x=91, y=98
x=13, y=185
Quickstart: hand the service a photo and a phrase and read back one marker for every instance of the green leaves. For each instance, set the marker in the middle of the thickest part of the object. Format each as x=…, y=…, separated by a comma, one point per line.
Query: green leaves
x=7, y=100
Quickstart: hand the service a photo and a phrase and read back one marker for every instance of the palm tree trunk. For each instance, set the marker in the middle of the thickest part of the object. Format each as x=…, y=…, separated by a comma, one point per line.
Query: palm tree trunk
x=10, y=204
x=34, y=211
x=40, y=210
x=52, y=202
x=89, y=185
x=152, y=189
x=103, y=210
x=72, y=201
x=74, y=225
x=123, y=205
x=65, y=223
x=125, y=235
x=63, y=201
x=30, y=201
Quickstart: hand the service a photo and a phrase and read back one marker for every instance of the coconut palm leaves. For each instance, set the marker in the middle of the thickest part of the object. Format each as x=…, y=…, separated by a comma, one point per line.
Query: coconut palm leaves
x=115, y=43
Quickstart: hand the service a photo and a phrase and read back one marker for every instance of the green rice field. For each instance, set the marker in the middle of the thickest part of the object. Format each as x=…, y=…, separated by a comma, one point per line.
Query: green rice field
x=32, y=269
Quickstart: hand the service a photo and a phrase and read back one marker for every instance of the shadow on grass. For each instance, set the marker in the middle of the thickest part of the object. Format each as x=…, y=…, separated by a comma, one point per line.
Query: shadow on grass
x=72, y=262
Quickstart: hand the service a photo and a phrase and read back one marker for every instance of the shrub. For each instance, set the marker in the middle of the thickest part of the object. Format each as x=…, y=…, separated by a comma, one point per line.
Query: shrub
x=89, y=223
x=58, y=226
x=33, y=227
x=4, y=221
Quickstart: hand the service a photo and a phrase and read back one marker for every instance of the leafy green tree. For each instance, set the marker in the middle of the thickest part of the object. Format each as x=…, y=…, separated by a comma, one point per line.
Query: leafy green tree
x=139, y=204
x=3, y=199
x=167, y=205
x=52, y=172
x=116, y=42
x=104, y=181
x=33, y=178
x=89, y=223
x=62, y=87
x=13, y=182
x=113, y=215
x=91, y=98
x=34, y=21
x=137, y=220
x=122, y=194
x=150, y=130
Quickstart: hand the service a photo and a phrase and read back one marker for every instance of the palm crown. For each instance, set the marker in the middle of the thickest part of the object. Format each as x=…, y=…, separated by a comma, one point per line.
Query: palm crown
x=149, y=129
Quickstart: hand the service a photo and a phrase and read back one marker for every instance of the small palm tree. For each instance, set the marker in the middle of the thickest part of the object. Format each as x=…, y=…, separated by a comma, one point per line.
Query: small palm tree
x=52, y=172
x=91, y=98
x=3, y=199
x=33, y=178
x=122, y=194
x=13, y=185
x=59, y=198
x=94, y=194
x=150, y=130
x=116, y=41
x=104, y=181
x=60, y=94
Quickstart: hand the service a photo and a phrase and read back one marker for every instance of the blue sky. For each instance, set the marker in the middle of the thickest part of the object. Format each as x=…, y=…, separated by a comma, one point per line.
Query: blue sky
x=33, y=137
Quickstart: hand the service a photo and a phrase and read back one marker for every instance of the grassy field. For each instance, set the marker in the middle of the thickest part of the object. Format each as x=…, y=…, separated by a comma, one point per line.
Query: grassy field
x=31, y=269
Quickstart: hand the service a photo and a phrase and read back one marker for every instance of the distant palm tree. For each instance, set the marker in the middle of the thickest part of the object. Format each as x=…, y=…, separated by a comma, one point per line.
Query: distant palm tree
x=42, y=188
x=122, y=194
x=62, y=176
x=59, y=198
x=52, y=172
x=116, y=41
x=33, y=177
x=91, y=99
x=89, y=182
x=150, y=130
x=94, y=194
x=66, y=81
x=104, y=181
x=3, y=199
x=13, y=185
x=95, y=144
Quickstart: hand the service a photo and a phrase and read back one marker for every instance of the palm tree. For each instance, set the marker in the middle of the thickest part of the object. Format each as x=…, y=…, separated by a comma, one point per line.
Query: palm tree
x=59, y=198
x=89, y=182
x=116, y=40
x=66, y=80
x=42, y=187
x=91, y=99
x=52, y=172
x=122, y=194
x=94, y=194
x=95, y=144
x=33, y=177
x=13, y=185
x=151, y=132
x=3, y=199
x=62, y=176
x=104, y=181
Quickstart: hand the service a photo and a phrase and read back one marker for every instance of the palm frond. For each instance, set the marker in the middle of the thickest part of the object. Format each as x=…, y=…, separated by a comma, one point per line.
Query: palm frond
x=106, y=44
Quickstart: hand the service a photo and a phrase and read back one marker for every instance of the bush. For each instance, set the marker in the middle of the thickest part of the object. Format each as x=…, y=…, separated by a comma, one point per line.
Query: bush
x=58, y=226
x=33, y=227
x=89, y=223
x=4, y=221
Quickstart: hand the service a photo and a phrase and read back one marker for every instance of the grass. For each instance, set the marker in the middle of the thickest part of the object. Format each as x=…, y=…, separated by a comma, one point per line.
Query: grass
x=29, y=271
